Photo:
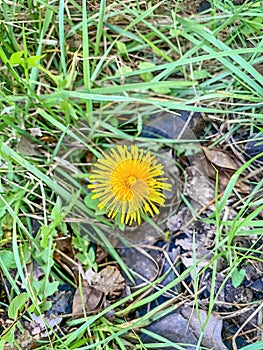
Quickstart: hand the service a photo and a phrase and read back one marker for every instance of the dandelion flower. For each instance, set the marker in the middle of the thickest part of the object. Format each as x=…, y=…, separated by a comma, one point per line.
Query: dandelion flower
x=128, y=182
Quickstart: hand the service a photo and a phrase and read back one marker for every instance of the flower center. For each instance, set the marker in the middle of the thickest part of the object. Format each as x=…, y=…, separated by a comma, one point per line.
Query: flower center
x=130, y=181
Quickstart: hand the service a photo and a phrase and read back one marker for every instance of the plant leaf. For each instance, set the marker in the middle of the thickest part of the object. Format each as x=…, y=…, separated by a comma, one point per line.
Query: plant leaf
x=238, y=277
x=17, y=305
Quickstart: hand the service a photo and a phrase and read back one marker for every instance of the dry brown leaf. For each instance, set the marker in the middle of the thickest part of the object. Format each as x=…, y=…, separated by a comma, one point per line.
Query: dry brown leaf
x=87, y=297
x=23, y=341
x=221, y=159
x=27, y=147
x=111, y=281
x=243, y=187
x=96, y=289
x=199, y=188
x=101, y=254
x=201, y=246
x=108, y=281
x=226, y=165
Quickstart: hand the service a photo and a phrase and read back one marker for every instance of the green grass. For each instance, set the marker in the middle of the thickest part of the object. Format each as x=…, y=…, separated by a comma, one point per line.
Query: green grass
x=87, y=75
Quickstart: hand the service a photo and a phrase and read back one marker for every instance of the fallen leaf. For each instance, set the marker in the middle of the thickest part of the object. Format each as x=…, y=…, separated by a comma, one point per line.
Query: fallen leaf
x=101, y=254
x=143, y=263
x=199, y=189
x=221, y=159
x=97, y=290
x=25, y=341
x=61, y=301
x=179, y=220
x=87, y=297
x=226, y=165
x=111, y=280
x=50, y=140
x=27, y=147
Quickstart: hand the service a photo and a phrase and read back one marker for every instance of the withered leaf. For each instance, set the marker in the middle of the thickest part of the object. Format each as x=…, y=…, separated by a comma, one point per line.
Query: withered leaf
x=87, y=297
x=28, y=147
x=221, y=158
x=95, y=289
x=199, y=188
x=109, y=280
x=226, y=166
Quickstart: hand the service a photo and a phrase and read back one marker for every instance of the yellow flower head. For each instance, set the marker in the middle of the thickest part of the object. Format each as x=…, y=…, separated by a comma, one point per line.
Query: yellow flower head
x=128, y=182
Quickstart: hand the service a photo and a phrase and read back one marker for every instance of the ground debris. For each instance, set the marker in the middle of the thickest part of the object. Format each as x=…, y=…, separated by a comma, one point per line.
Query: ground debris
x=185, y=326
x=97, y=290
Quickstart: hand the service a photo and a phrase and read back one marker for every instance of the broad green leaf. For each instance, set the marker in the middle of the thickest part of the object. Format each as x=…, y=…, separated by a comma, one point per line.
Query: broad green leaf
x=122, y=48
x=51, y=288
x=45, y=306
x=17, y=305
x=148, y=76
x=161, y=90
x=91, y=203
x=16, y=58
x=56, y=213
x=44, y=288
x=238, y=277
x=33, y=60
x=7, y=258
x=46, y=232
x=123, y=70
